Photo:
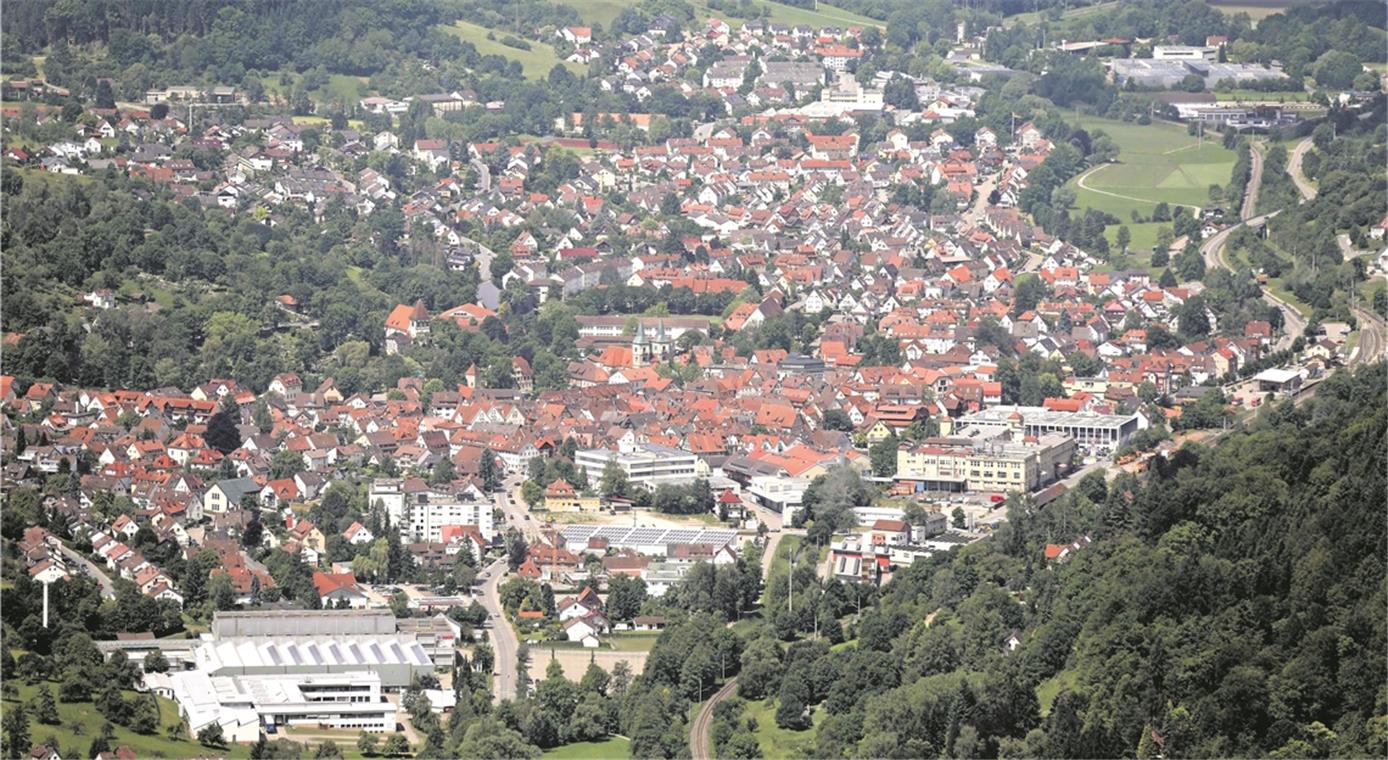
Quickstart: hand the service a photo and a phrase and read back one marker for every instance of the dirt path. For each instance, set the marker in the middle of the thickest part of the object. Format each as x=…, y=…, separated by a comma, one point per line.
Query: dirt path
x=1087, y=172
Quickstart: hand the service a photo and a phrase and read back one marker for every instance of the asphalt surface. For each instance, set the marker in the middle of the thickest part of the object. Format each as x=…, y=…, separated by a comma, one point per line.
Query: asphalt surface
x=1303, y=186
x=1255, y=179
x=503, y=637
x=108, y=589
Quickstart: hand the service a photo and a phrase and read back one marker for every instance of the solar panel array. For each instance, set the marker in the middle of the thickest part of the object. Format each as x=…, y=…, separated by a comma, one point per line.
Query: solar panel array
x=619, y=536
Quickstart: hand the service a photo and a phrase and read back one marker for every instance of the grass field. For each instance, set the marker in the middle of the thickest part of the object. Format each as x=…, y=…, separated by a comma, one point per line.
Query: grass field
x=1156, y=163
x=633, y=642
x=1283, y=97
x=598, y=11
x=1031, y=17
x=536, y=62
x=777, y=742
x=611, y=748
x=83, y=715
x=824, y=15
x=1047, y=690
x=1256, y=9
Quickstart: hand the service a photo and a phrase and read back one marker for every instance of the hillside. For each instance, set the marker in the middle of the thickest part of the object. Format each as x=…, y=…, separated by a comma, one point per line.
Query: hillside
x=1230, y=603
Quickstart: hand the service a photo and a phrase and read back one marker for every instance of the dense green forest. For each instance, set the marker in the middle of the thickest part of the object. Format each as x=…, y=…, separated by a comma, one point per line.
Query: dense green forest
x=1230, y=604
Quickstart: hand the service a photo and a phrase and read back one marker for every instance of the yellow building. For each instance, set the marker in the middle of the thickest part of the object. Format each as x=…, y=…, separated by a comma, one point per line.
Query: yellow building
x=561, y=497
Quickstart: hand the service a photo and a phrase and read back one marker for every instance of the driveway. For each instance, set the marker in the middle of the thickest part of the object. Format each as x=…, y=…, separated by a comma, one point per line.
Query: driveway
x=108, y=589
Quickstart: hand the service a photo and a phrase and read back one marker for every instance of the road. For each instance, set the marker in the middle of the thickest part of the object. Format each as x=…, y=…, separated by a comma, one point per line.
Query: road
x=1255, y=180
x=699, y=747
x=1303, y=185
x=108, y=589
x=503, y=638
x=1293, y=324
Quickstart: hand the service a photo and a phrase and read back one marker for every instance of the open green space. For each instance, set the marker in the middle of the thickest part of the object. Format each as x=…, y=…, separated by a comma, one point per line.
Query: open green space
x=1047, y=690
x=1032, y=17
x=341, y=88
x=1156, y=163
x=598, y=11
x=777, y=742
x=822, y=16
x=633, y=642
x=1256, y=9
x=80, y=723
x=535, y=62
x=1283, y=97
x=606, y=749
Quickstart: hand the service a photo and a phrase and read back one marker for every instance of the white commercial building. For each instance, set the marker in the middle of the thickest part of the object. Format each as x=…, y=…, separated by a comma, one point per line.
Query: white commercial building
x=1091, y=430
x=649, y=541
x=243, y=705
x=645, y=464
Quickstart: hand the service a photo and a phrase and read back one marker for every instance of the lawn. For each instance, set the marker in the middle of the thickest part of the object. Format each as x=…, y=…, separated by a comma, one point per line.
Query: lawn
x=633, y=642
x=1156, y=163
x=1032, y=17
x=83, y=715
x=610, y=748
x=777, y=742
x=536, y=62
x=341, y=88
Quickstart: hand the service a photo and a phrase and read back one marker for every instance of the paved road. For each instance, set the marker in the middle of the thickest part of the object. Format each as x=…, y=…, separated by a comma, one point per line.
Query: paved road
x=1293, y=324
x=1255, y=180
x=1303, y=185
x=699, y=747
x=108, y=589
x=503, y=638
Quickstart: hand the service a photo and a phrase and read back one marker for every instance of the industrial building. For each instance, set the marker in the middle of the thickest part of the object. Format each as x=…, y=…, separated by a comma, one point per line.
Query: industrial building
x=995, y=462
x=421, y=513
x=1168, y=73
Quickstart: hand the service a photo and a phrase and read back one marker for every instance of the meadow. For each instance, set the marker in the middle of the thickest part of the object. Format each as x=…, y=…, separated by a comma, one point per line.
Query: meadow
x=606, y=749
x=535, y=62
x=1156, y=163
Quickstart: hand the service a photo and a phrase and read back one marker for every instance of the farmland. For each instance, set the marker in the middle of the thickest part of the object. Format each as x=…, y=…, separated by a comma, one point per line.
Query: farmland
x=536, y=62
x=1156, y=163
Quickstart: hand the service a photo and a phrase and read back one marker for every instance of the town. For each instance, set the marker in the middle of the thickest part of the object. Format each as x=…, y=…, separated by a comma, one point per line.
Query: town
x=420, y=417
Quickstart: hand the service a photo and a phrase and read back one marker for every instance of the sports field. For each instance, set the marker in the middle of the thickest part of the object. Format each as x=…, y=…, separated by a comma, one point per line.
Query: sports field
x=536, y=62
x=1156, y=163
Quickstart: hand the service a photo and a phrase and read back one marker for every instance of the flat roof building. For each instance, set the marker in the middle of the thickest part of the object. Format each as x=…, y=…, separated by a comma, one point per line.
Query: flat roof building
x=1091, y=430
x=645, y=464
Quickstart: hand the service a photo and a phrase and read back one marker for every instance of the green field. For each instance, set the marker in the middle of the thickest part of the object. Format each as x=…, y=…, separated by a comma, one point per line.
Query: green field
x=611, y=748
x=1282, y=97
x=633, y=642
x=341, y=88
x=1047, y=690
x=83, y=715
x=1032, y=17
x=598, y=11
x=536, y=62
x=824, y=15
x=1156, y=163
x=1256, y=9
x=777, y=742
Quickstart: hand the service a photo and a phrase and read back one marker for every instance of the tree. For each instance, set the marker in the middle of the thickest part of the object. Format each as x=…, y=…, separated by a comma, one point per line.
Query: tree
x=16, y=725
x=366, y=744
x=589, y=719
x=625, y=595
x=837, y=419
x=144, y=715
x=222, y=434
x=395, y=746
x=328, y=749
x=211, y=735
x=742, y=745
x=45, y=710
x=614, y=480
x=883, y=456
x=1124, y=238
x=488, y=471
x=1336, y=70
x=155, y=662
x=958, y=518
